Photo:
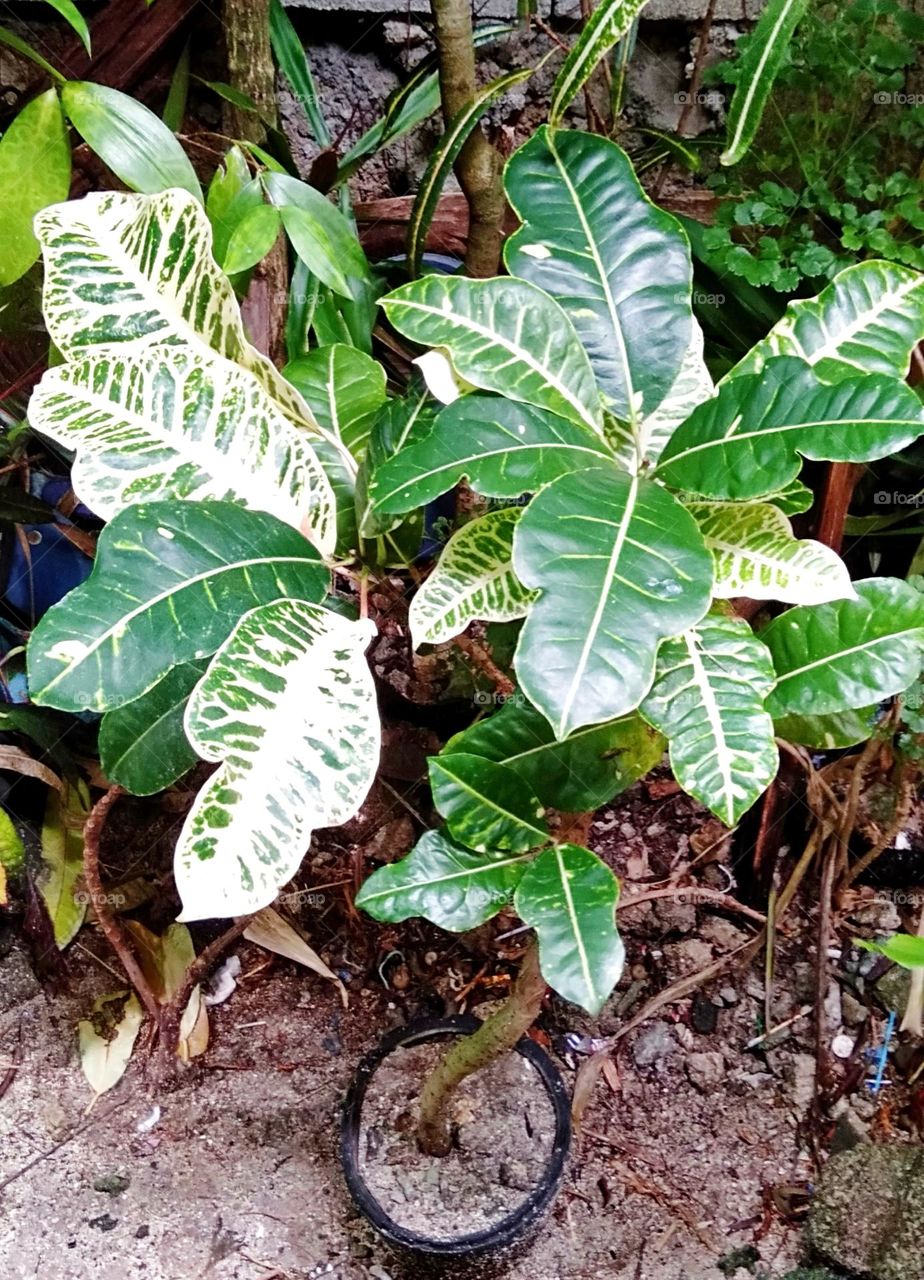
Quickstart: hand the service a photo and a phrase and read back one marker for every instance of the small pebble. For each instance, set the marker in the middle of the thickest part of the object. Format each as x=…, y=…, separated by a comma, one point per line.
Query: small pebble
x=842, y=1046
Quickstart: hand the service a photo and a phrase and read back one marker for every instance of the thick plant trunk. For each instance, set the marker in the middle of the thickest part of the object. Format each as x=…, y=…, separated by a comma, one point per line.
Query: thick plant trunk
x=252, y=71
x=493, y=1038
x=479, y=166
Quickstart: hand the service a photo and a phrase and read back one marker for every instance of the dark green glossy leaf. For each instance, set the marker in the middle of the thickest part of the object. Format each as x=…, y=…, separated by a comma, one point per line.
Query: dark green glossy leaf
x=169, y=582
x=569, y=897
x=750, y=439
x=847, y=654
x=757, y=71
x=143, y=745
x=443, y=882
x=486, y=805
x=619, y=565
x=344, y=389
x=828, y=733
x=503, y=448
x=578, y=774
x=618, y=266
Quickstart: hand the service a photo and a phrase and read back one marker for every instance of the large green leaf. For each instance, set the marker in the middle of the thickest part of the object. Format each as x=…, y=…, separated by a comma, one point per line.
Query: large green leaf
x=708, y=700
x=344, y=388
x=321, y=235
x=26, y=186
x=288, y=708
x=443, y=882
x=749, y=439
x=756, y=555
x=486, y=805
x=502, y=335
x=134, y=142
x=569, y=897
x=474, y=578
x=619, y=565
x=444, y=156
x=393, y=427
x=827, y=733
x=131, y=272
x=606, y=26
x=618, y=266
x=169, y=581
x=580, y=773
x=169, y=423
x=505, y=449
x=757, y=70
x=849, y=654
x=142, y=744
x=869, y=319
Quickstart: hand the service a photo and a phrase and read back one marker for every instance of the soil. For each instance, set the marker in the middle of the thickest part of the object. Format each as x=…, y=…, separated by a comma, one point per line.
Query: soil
x=504, y=1130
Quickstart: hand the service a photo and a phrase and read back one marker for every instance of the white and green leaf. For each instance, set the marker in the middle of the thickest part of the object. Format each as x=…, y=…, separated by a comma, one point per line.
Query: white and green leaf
x=473, y=579
x=749, y=439
x=849, y=654
x=171, y=423
x=502, y=335
x=619, y=565
x=503, y=448
x=757, y=70
x=691, y=388
x=708, y=701
x=569, y=897
x=344, y=388
x=445, y=883
x=757, y=555
x=605, y=27
x=131, y=272
x=169, y=582
x=869, y=319
x=618, y=266
x=287, y=709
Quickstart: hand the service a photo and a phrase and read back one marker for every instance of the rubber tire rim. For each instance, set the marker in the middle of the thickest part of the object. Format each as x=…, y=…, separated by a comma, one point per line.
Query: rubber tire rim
x=509, y=1229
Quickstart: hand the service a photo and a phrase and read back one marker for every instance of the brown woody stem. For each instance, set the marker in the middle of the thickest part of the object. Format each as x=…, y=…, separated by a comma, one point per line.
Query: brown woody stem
x=496, y=1036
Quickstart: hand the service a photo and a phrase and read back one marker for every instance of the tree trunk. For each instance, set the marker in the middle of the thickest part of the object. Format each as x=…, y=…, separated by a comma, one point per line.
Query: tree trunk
x=479, y=166
x=252, y=71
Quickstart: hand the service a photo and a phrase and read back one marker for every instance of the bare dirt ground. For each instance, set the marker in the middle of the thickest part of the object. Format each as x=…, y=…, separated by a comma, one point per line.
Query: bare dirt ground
x=692, y=1146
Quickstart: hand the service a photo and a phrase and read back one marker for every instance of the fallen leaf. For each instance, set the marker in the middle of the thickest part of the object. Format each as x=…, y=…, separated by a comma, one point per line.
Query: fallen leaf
x=106, y=1044
x=21, y=762
x=62, y=854
x=269, y=930
x=164, y=960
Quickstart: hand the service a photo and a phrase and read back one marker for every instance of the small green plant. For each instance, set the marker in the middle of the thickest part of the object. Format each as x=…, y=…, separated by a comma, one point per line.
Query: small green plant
x=906, y=950
x=833, y=176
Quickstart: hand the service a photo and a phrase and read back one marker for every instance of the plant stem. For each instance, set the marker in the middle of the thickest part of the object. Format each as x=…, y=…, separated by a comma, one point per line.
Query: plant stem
x=493, y=1038
x=112, y=928
x=479, y=165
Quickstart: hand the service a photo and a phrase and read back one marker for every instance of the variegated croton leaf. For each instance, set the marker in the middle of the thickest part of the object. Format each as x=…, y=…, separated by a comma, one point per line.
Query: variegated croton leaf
x=160, y=394
x=288, y=709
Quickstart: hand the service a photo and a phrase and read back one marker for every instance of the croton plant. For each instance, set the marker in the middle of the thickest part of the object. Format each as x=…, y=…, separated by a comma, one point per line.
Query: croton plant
x=630, y=501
